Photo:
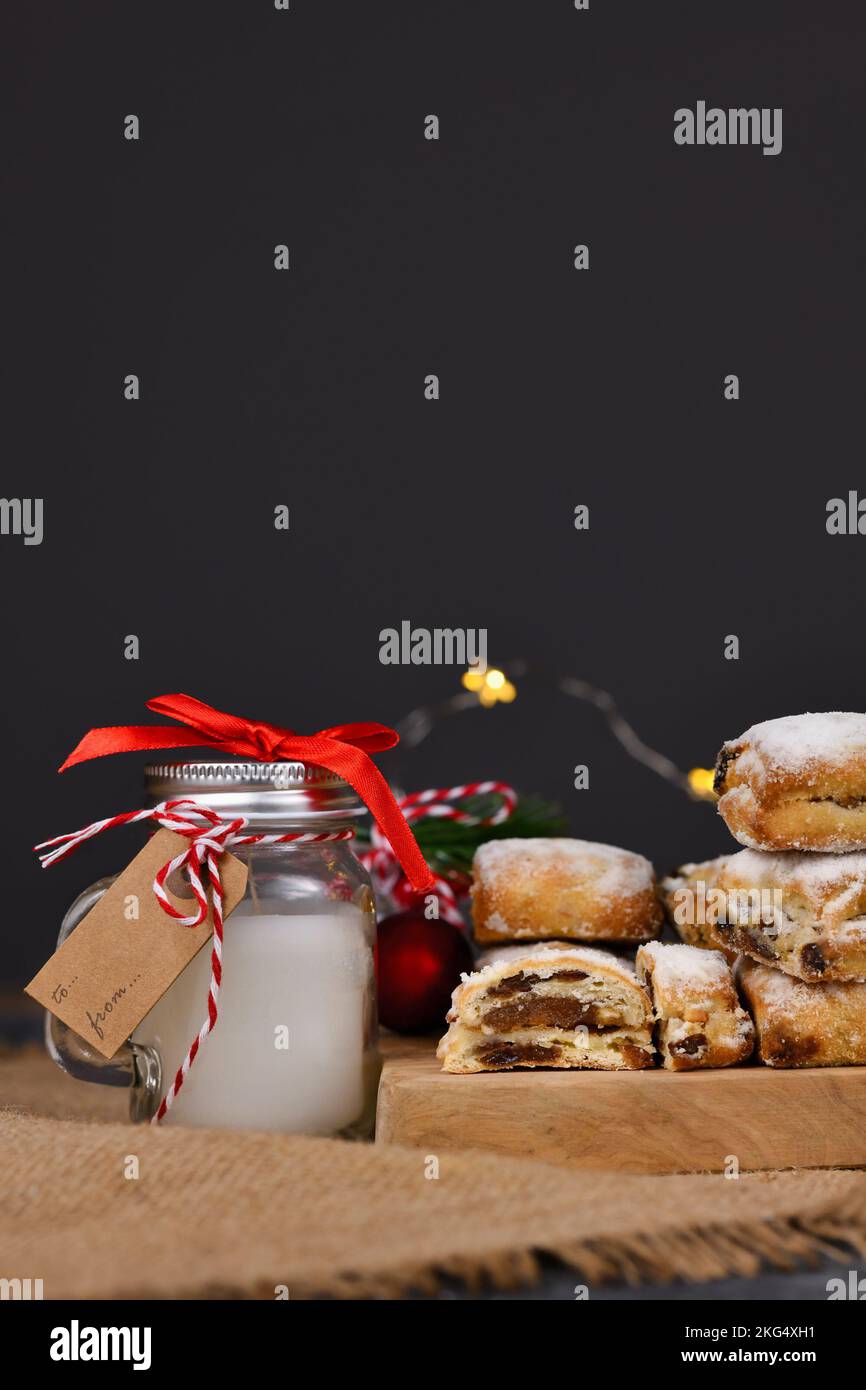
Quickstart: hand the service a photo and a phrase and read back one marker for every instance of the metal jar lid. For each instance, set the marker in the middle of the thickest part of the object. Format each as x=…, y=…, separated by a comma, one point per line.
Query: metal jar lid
x=281, y=793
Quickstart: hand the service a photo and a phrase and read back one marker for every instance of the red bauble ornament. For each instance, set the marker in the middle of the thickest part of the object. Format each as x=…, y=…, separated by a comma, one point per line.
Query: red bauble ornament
x=418, y=964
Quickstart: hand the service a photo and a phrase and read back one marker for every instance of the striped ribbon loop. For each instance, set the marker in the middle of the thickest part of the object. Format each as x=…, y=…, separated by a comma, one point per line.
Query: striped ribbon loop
x=435, y=803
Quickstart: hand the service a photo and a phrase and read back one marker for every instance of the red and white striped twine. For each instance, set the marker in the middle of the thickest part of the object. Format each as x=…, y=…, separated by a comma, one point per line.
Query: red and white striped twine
x=206, y=844
x=383, y=864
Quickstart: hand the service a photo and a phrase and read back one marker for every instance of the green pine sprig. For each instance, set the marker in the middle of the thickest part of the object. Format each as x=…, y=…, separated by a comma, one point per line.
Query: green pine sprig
x=449, y=845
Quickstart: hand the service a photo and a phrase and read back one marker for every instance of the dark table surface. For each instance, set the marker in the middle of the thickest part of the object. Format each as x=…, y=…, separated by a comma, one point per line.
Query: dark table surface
x=558, y=1284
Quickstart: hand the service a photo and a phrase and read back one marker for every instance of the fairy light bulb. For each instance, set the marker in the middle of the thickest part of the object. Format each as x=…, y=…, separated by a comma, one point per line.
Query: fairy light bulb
x=701, y=783
x=473, y=679
x=490, y=685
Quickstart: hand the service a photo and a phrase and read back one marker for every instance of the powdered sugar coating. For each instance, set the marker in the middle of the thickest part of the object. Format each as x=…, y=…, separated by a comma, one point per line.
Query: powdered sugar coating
x=798, y=745
x=850, y=934
x=797, y=783
x=780, y=993
x=616, y=873
x=803, y=1024
x=789, y=869
x=833, y=885
x=701, y=1023
x=687, y=968
x=551, y=956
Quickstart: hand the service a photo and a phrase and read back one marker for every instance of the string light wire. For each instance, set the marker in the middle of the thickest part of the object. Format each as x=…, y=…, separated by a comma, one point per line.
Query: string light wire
x=484, y=688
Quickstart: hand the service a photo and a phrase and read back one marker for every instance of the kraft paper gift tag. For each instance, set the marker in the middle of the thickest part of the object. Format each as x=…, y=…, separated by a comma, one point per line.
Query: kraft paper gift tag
x=124, y=954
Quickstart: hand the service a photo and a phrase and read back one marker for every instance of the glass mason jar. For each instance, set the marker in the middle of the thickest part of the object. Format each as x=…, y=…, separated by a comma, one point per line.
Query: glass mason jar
x=294, y=1046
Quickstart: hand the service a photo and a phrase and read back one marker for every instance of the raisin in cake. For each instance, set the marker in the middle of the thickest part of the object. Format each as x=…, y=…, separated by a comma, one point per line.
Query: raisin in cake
x=796, y=783
x=805, y=1025
x=699, y=1021
x=802, y=913
x=552, y=1005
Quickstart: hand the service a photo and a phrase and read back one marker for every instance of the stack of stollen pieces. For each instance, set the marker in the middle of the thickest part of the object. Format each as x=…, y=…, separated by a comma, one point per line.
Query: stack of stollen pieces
x=791, y=906
x=556, y=993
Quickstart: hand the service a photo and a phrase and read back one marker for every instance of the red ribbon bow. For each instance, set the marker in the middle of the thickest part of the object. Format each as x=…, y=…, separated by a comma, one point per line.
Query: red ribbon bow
x=343, y=749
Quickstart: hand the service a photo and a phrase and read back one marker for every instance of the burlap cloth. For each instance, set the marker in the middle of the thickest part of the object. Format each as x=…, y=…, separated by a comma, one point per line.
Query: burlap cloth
x=217, y=1213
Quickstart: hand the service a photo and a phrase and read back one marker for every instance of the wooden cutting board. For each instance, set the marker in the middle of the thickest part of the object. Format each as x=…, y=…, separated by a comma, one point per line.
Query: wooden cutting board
x=634, y=1122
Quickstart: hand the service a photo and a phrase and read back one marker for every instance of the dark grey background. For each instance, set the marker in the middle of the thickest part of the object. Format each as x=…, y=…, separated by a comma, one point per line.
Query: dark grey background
x=410, y=257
